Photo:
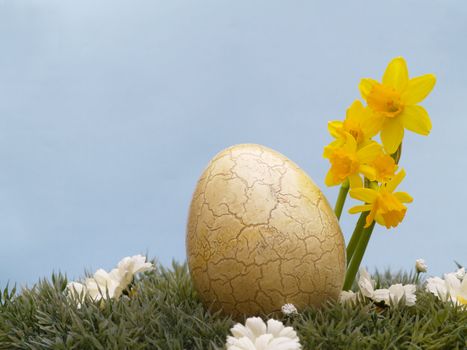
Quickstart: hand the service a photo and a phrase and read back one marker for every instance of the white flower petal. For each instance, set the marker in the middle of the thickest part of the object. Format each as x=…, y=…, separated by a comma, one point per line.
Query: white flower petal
x=347, y=297
x=274, y=327
x=240, y=331
x=101, y=276
x=284, y=343
x=289, y=332
x=396, y=293
x=380, y=295
x=135, y=264
x=103, y=284
x=76, y=288
x=460, y=273
x=262, y=342
x=240, y=344
x=366, y=284
x=437, y=286
x=77, y=292
x=410, y=297
x=256, y=325
x=231, y=340
x=452, y=282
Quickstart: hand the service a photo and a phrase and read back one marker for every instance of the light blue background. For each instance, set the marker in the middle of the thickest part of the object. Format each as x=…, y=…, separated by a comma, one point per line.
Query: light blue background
x=109, y=112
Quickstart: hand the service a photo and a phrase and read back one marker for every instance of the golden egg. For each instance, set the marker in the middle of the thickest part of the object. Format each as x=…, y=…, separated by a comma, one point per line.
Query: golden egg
x=261, y=234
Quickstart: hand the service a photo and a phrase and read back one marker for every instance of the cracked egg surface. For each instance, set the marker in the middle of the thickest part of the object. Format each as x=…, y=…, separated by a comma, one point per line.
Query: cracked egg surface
x=261, y=234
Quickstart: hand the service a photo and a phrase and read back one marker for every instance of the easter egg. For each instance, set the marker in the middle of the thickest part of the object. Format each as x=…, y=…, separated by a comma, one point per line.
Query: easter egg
x=261, y=234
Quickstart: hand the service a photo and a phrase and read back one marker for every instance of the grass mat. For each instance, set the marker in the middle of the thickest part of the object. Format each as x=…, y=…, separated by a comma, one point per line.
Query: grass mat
x=165, y=313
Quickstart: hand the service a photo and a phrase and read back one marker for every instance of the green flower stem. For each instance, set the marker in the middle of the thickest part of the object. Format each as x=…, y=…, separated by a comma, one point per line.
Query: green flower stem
x=357, y=257
x=356, y=235
x=341, y=199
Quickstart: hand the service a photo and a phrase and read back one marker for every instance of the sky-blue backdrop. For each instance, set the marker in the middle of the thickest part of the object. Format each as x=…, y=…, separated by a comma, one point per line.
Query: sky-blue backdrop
x=110, y=110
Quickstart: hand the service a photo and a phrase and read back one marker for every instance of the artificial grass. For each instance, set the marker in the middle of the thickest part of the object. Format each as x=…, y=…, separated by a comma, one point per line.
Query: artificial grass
x=165, y=313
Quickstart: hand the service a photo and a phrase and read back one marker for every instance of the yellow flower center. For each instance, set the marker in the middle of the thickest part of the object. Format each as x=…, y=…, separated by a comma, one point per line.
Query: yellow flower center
x=385, y=167
x=355, y=130
x=390, y=208
x=462, y=300
x=343, y=164
x=385, y=100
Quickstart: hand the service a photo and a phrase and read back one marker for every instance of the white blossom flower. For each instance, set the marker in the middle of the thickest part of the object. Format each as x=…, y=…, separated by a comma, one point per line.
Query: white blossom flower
x=366, y=284
x=450, y=288
x=289, y=309
x=130, y=266
x=420, y=265
x=347, y=297
x=393, y=294
x=111, y=284
x=103, y=284
x=257, y=335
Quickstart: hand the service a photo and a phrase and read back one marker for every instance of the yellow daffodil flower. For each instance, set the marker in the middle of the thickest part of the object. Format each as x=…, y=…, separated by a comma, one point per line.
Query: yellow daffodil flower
x=385, y=206
x=347, y=161
x=385, y=167
x=395, y=103
x=359, y=122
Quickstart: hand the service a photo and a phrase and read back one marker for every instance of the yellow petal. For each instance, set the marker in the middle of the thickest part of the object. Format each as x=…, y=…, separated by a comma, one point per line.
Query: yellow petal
x=350, y=143
x=369, y=152
x=395, y=181
x=373, y=124
x=392, y=134
x=360, y=208
x=370, y=218
x=416, y=119
x=380, y=220
x=329, y=180
x=327, y=152
x=403, y=197
x=368, y=171
x=366, y=195
x=396, y=74
x=334, y=128
x=356, y=111
x=418, y=88
x=366, y=85
x=355, y=181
